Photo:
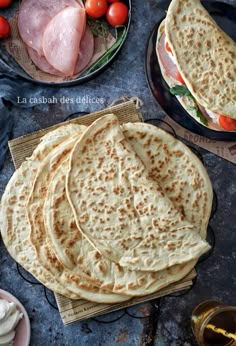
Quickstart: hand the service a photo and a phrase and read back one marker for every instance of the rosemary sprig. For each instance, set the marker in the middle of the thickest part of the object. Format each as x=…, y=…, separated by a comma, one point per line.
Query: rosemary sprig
x=104, y=36
x=98, y=29
x=93, y=28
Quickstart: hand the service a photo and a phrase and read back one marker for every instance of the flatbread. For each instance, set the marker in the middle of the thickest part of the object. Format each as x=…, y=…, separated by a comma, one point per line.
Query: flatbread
x=77, y=282
x=190, y=191
x=15, y=227
x=92, y=269
x=178, y=171
x=14, y=224
x=204, y=54
x=122, y=212
x=186, y=102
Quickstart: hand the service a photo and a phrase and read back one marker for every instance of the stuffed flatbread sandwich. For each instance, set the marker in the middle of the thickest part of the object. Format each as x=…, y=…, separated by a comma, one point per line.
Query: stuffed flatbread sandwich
x=198, y=62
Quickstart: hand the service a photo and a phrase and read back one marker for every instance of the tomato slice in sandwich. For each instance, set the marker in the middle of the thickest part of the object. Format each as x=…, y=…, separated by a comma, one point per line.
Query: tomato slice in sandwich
x=180, y=78
x=168, y=47
x=227, y=123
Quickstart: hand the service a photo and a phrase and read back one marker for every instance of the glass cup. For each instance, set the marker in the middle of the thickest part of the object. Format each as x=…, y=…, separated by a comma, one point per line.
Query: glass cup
x=217, y=314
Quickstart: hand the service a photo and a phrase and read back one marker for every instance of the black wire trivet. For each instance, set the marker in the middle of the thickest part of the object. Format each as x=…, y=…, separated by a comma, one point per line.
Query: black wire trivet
x=157, y=303
x=74, y=115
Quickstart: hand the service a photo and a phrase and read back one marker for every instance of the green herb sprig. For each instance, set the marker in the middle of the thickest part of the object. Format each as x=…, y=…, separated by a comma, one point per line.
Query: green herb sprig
x=93, y=27
x=199, y=114
x=182, y=90
x=98, y=29
x=120, y=37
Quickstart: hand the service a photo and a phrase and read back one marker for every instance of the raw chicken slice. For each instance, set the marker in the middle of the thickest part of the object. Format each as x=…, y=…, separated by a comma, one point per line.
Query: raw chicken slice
x=34, y=16
x=62, y=37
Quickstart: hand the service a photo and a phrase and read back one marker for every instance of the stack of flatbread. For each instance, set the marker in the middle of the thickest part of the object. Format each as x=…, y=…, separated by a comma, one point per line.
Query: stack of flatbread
x=107, y=212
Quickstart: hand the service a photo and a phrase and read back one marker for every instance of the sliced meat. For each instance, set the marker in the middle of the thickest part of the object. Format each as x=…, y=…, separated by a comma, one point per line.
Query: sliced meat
x=86, y=50
x=42, y=63
x=61, y=39
x=169, y=66
x=84, y=57
x=34, y=16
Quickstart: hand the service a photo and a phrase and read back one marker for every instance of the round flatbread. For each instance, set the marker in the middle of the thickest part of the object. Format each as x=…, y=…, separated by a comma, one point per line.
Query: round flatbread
x=14, y=225
x=82, y=269
x=76, y=281
x=121, y=210
x=190, y=192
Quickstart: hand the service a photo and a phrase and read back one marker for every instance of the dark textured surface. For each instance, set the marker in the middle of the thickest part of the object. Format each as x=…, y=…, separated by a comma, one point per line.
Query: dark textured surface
x=216, y=276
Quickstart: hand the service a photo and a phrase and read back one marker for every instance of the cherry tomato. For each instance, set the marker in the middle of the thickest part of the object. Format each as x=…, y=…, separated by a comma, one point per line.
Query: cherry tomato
x=168, y=47
x=96, y=8
x=180, y=78
x=117, y=14
x=5, y=3
x=227, y=123
x=4, y=27
x=113, y=0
